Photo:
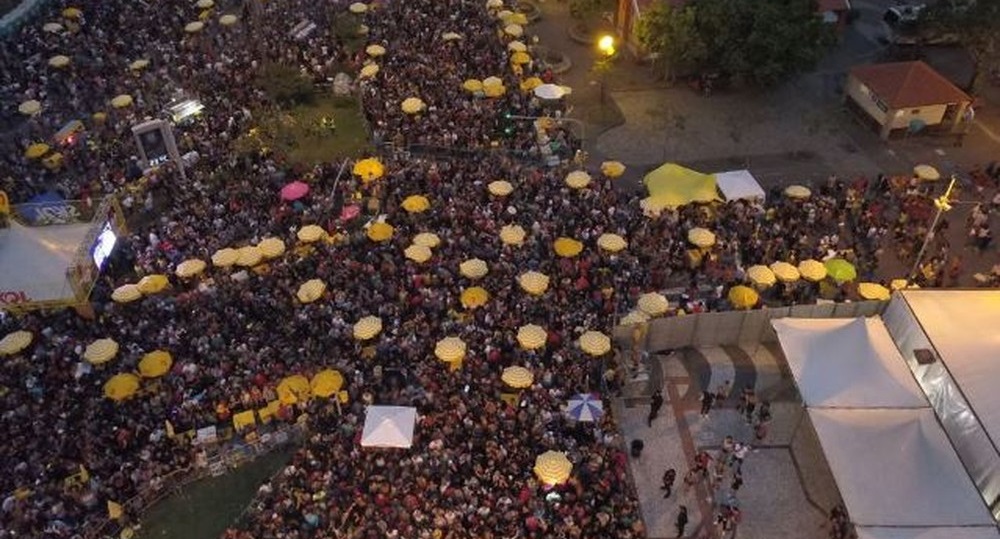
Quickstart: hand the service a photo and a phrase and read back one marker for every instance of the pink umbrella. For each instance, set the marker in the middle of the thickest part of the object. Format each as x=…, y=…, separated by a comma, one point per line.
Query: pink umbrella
x=294, y=191
x=350, y=212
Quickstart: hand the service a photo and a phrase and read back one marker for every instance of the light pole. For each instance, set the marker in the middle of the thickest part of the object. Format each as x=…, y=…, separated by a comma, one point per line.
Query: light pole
x=606, y=46
x=943, y=204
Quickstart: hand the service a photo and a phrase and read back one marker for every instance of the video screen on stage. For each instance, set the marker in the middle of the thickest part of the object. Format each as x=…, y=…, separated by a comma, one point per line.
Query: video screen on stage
x=155, y=147
x=104, y=246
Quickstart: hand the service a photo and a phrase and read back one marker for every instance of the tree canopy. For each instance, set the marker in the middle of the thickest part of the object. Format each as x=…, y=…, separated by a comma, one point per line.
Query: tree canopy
x=974, y=24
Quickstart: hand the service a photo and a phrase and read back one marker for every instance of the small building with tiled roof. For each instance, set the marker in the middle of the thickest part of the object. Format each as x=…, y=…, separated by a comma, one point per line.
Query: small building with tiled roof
x=905, y=96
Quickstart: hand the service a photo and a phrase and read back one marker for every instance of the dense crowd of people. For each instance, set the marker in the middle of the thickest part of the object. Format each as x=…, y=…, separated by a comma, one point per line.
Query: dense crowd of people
x=469, y=472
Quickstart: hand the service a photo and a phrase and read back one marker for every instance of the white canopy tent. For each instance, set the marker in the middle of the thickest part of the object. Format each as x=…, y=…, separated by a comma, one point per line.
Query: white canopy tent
x=896, y=468
x=739, y=185
x=34, y=260
x=847, y=362
x=389, y=426
x=967, y=532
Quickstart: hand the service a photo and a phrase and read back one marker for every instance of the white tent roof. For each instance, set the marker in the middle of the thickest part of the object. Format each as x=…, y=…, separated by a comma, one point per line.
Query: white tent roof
x=739, y=184
x=896, y=467
x=847, y=362
x=34, y=260
x=968, y=532
x=389, y=426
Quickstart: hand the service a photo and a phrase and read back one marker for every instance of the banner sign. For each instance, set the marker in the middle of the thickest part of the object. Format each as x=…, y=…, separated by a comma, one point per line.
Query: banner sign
x=51, y=209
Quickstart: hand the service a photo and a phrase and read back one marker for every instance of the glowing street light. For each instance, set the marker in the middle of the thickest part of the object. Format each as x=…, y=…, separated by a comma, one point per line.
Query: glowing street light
x=606, y=45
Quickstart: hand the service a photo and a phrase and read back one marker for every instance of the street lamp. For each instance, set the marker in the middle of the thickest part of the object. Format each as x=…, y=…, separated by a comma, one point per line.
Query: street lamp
x=943, y=204
x=606, y=44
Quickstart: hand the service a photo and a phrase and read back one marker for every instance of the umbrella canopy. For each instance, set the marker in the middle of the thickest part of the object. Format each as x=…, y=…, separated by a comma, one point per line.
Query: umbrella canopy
x=100, y=351
x=514, y=18
x=450, y=349
x=293, y=389
x=812, y=270
x=358, y=8
x=152, y=284
x=416, y=204
x=585, y=407
x=743, y=297
x=474, y=296
x=612, y=243
x=517, y=377
x=294, y=190
x=36, y=150
x=553, y=468
x=595, y=343
x=612, y=169
x=530, y=83
x=223, y=258
x=369, y=169
x=311, y=290
x=14, y=342
x=451, y=36
x=418, y=253
x=550, y=91
x=190, y=268
x=271, y=247
x=873, y=291
x=412, y=105
x=531, y=336
x=494, y=91
x=701, y=237
x=326, y=383
x=473, y=268
x=194, y=27
x=155, y=364
x=500, y=188
x=513, y=30
x=367, y=328
x=228, y=20
x=126, y=293
x=926, y=173
x=492, y=81
x=30, y=107
x=369, y=71
x=121, y=101
x=72, y=13
x=375, y=50
x=634, y=317
x=785, y=272
x=517, y=46
x=249, y=256
x=139, y=64
x=520, y=58
x=427, y=239
x=52, y=27
x=798, y=192
x=473, y=85
x=761, y=275
x=533, y=282
x=512, y=235
x=567, y=247
x=205, y=4
x=59, y=60
x=578, y=179
x=899, y=284
x=840, y=270
x=653, y=303
x=672, y=185
x=494, y=4
x=380, y=232
x=310, y=233
x=121, y=386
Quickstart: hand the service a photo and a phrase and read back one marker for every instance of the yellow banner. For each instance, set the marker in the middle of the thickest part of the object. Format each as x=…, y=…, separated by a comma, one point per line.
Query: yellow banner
x=4, y=203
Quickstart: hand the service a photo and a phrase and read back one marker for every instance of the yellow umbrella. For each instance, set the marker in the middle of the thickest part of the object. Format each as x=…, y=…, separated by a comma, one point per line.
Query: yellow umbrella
x=418, y=253
x=612, y=169
x=223, y=258
x=271, y=247
x=30, y=107
x=367, y=328
x=52, y=27
x=59, y=60
x=873, y=291
x=926, y=173
x=517, y=46
x=761, y=275
x=369, y=71
x=812, y=270
x=416, y=204
x=530, y=83
x=494, y=91
x=450, y=349
x=155, y=364
x=293, y=389
x=494, y=4
x=451, y=36
x=797, y=192
x=634, y=317
x=36, y=150
x=785, y=272
x=427, y=239
x=194, y=27
x=205, y=4
x=311, y=290
x=840, y=270
x=100, y=351
x=743, y=297
x=612, y=243
x=567, y=247
x=369, y=169
x=531, y=336
x=473, y=85
x=375, y=50
x=121, y=386
x=14, y=342
x=249, y=256
x=517, y=377
x=700, y=237
x=228, y=20
x=189, y=268
x=520, y=58
x=553, y=468
x=126, y=293
x=475, y=296
x=595, y=343
x=578, y=179
x=326, y=383
x=512, y=235
x=500, y=188
x=72, y=13
x=514, y=30
x=653, y=303
x=151, y=284
x=533, y=282
x=473, y=268
x=99, y=117
x=310, y=233
x=412, y=105
x=380, y=232
x=138, y=64
x=516, y=18
x=899, y=284
x=358, y=8
x=121, y=101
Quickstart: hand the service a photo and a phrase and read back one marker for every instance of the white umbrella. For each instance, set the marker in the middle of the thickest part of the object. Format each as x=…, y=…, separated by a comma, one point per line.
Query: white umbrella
x=585, y=407
x=550, y=91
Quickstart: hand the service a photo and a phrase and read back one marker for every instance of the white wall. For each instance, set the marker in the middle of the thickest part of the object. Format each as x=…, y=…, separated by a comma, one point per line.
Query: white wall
x=865, y=99
x=931, y=115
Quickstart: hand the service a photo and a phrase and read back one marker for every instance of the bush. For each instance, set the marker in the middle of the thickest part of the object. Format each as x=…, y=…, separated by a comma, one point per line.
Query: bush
x=284, y=84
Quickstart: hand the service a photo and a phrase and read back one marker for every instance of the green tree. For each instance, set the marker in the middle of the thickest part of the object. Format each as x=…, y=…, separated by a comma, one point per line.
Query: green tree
x=284, y=85
x=586, y=9
x=672, y=33
x=975, y=24
x=786, y=37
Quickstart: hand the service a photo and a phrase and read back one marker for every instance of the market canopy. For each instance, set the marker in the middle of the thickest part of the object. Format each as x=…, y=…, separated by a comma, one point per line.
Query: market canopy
x=389, y=426
x=739, y=185
x=672, y=185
